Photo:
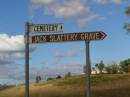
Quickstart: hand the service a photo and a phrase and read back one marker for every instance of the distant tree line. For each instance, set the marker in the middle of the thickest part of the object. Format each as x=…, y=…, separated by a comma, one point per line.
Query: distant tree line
x=38, y=78
x=122, y=67
x=67, y=75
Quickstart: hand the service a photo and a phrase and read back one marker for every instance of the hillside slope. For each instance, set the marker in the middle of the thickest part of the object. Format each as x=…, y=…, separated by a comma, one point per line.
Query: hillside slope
x=117, y=85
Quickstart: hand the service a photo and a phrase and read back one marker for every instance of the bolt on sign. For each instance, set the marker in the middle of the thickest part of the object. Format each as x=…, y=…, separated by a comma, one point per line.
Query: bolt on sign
x=67, y=37
x=46, y=27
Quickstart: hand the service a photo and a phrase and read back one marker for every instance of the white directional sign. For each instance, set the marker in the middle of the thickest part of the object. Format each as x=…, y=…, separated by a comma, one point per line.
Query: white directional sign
x=39, y=28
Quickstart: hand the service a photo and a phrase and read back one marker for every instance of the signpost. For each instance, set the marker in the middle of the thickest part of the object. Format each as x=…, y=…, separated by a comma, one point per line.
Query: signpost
x=88, y=70
x=26, y=60
x=67, y=37
x=40, y=28
x=81, y=36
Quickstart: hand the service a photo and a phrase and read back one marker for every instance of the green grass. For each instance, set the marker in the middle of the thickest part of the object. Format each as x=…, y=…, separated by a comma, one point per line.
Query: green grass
x=106, y=85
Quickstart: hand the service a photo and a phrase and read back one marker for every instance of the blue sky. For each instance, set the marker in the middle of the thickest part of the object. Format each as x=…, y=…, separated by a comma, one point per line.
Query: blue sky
x=59, y=58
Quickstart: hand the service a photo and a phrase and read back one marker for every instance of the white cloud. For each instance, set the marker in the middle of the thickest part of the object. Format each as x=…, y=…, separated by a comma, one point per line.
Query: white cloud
x=56, y=61
x=58, y=54
x=10, y=57
x=108, y=1
x=13, y=74
x=44, y=2
x=83, y=21
x=10, y=72
x=117, y=1
x=11, y=43
x=70, y=9
x=11, y=48
x=67, y=9
x=69, y=53
x=6, y=59
x=101, y=1
x=64, y=8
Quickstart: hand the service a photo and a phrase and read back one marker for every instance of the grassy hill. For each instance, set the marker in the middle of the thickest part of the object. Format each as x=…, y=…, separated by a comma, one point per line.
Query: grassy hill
x=105, y=85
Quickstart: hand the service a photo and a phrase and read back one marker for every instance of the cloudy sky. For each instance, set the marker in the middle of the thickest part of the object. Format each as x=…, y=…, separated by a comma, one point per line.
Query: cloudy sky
x=52, y=59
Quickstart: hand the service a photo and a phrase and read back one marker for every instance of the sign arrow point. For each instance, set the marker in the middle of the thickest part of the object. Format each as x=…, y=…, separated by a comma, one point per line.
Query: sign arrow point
x=102, y=35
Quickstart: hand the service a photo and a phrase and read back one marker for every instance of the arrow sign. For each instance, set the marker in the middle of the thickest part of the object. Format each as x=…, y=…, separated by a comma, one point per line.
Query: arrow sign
x=68, y=37
x=102, y=35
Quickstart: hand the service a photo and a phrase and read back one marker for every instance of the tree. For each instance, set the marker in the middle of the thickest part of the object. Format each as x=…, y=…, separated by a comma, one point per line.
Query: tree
x=127, y=25
x=38, y=79
x=124, y=65
x=113, y=68
x=100, y=66
x=58, y=77
x=50, y=78
x=68, y=74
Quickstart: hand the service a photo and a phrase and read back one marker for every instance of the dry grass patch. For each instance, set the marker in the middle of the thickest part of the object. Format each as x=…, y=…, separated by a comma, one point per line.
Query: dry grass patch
x=117, y=85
